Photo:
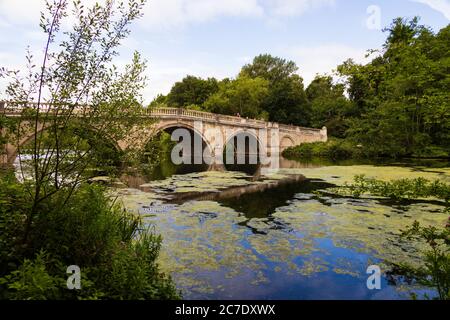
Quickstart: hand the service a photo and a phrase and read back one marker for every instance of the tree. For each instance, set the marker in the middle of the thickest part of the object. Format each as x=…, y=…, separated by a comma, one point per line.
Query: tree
x=56, y=219
x=402, y=32
x=158, y=101
x=191, y=91
x=243, y=95
x=329, y=106
x=85, y=92
x=402, y=94
x=286, y=101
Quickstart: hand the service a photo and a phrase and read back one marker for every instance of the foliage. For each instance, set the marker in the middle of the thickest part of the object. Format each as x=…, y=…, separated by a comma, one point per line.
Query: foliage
x=286, y=101
x=78, y=71
x=155, y=160
x=329, y=106
x=31, y=281
x=436, y=270
x=335, y=149
x=104, y=155
x=402, y=94
x=115, y=251
x=55, y=219
x=159, y=101
x=191, y=91
x=86, y=93
x=398, y=104
x=401, y=189
x=243, y=96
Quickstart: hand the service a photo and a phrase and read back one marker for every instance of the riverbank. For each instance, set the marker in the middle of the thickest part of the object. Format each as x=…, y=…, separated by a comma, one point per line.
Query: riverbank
x=341, y=149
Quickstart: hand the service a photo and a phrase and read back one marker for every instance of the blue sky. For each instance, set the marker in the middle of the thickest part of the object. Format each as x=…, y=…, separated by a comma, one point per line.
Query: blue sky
x=216, y=37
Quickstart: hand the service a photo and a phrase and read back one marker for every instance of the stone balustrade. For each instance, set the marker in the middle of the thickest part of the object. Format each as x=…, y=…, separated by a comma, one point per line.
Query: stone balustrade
x=17, y=108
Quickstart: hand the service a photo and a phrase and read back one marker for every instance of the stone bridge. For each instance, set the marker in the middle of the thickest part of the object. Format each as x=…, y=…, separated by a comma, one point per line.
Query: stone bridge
x=214, y=129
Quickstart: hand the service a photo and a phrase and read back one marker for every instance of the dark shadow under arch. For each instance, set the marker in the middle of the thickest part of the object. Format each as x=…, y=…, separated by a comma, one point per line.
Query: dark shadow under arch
x=156, y=155
x=244, y=149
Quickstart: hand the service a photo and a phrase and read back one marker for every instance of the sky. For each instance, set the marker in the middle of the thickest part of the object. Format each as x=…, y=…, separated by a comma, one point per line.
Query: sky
x=215, y=38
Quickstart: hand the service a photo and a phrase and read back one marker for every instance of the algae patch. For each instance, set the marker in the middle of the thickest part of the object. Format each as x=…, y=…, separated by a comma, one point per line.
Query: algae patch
x=215, y=251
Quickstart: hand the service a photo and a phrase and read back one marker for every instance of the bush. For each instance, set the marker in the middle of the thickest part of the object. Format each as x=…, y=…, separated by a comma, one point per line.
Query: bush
x=31, y=280
x=335, y=149
x=340, y=149
x=431, y=151
x=435, y=271
x=401, y=189
x=114, y=250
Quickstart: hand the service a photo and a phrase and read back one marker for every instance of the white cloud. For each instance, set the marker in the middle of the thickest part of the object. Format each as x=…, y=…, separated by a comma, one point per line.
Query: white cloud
x=168, y=14
x=164, y=73
x=164, y=14
x=443, y=6
x=323, y=59
x=295, y=7
x=21, y=11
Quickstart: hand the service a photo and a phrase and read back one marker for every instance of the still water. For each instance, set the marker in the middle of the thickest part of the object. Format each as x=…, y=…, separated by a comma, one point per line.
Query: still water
x=239, y=235
x=230, y=235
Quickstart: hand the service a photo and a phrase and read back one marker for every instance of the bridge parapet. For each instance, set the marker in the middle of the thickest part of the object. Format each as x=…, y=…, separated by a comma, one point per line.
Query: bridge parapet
x=310, y=134
x=277, y=137
x=207, y=116
x=291, y=128
x=17, y=108
x=178, y=112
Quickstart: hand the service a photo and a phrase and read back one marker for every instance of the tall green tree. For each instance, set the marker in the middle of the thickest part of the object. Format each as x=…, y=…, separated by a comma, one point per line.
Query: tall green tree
x=402, y=95
x=329, y=106
x=55, y=219
x=191, y=91
x=243, y=96
x=286, y=101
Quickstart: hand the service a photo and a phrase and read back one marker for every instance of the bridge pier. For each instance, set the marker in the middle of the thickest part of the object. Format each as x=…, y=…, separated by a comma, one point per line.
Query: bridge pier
x=7, y=154
x=3, y=153
x=216, y=167
x=3, y=159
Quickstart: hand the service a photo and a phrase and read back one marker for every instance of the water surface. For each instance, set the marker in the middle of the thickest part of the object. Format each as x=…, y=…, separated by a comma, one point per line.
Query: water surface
x=228, y=235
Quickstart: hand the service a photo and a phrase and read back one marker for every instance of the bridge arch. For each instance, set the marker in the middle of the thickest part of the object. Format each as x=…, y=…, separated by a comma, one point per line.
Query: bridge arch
x=171, y=126
x=213, y=125
x=286, y=141
x=30, y=135
x=250, y=161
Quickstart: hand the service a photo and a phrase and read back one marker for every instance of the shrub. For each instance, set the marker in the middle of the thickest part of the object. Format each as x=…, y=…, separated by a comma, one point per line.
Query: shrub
x=435, y=271
x=115, y=251
x=31, y=280
x=401, y=189
x=432, y=152
x=334, y=149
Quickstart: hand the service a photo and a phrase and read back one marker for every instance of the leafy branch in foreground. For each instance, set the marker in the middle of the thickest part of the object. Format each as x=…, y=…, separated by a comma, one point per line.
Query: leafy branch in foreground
x=436, y=270
x=76, y=88
x=116, y=251
x=55, y=219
